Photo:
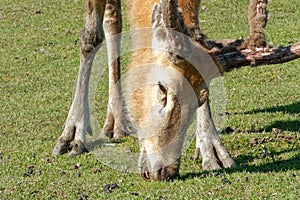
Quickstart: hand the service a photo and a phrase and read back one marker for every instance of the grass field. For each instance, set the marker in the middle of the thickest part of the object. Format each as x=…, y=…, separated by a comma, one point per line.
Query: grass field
x=39, y=53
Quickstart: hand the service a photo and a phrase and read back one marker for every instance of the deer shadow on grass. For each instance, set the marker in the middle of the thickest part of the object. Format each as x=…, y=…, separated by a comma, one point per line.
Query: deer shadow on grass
x=293, y=108
x=286, y=125
x=275, y=166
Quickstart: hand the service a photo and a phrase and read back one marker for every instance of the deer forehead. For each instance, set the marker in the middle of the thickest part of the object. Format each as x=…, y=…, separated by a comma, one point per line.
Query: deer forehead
x=165, y=75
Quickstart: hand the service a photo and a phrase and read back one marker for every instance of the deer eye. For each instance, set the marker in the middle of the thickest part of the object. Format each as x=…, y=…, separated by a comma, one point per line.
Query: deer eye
x=162, y=88
x=162, y=96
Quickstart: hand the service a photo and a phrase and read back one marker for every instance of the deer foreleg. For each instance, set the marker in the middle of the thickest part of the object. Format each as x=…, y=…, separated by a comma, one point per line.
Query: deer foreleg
x=208, y=143
x=113, y=126
x=78, y=120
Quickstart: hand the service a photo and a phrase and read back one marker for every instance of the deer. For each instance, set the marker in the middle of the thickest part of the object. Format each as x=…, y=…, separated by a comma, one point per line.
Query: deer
x=166, y=85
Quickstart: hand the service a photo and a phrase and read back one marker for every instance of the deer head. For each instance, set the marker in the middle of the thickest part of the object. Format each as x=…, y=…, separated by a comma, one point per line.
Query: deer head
x=164, y=90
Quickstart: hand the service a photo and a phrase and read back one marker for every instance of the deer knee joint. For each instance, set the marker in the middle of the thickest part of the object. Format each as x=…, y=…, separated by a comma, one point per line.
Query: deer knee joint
x=90, y=39
x=92, y=34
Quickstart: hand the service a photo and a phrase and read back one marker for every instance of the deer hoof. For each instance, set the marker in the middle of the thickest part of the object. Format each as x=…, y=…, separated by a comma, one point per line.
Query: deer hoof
x=229, y=163
x=60, y=148
x=77, y=148
x=211, y=164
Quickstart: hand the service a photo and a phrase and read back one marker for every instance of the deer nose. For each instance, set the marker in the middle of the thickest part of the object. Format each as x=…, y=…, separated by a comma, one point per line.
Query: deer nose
x=162, y=174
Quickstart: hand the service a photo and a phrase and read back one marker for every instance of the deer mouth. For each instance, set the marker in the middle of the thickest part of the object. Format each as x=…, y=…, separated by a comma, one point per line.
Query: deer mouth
x=162, y=173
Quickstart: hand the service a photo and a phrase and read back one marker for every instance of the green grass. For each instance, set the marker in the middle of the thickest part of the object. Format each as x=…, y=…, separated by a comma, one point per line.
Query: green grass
x=39, y=53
